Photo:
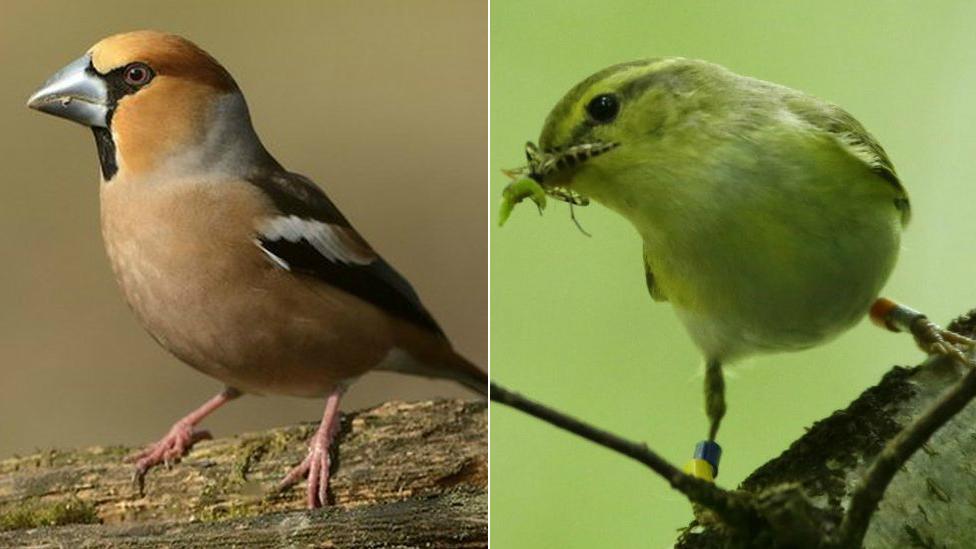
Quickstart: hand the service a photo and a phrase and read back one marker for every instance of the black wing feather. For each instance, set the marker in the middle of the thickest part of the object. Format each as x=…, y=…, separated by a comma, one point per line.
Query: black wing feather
x=377, y=282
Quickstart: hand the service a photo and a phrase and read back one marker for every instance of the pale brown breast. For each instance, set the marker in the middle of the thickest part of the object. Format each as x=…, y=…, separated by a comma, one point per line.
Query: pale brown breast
x=184, y=255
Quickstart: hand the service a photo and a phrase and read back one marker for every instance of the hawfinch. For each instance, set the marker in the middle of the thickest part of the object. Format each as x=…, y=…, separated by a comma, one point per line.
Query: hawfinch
x=242, y=269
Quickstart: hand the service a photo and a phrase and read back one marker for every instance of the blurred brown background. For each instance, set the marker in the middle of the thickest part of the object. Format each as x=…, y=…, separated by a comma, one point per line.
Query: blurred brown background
x=384, y=103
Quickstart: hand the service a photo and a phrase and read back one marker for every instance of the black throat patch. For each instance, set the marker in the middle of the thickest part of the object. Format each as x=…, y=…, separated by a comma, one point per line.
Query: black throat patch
x=117, y=89
x=106, y=152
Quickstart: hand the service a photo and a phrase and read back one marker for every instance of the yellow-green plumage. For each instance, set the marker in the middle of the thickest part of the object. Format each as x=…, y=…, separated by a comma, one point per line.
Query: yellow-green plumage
x=770, y=219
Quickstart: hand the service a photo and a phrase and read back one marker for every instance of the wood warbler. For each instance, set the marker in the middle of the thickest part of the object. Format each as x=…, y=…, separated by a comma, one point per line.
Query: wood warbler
x=770, y=219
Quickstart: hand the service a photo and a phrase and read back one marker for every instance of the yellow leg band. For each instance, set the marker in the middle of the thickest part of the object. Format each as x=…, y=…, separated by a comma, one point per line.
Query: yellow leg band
x=701, y=469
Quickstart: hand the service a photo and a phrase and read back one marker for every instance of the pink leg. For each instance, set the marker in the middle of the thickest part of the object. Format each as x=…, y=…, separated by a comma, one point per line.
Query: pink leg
x=317, y=462
x=180, y=438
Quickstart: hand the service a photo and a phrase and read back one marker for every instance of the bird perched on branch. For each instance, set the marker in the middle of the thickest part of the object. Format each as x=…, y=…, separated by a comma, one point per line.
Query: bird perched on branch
x=242, y=269
x=770, y=219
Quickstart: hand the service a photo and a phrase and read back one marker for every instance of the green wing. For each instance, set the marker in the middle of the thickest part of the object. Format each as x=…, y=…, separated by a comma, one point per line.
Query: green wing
x=652, y=288
x=852, y=136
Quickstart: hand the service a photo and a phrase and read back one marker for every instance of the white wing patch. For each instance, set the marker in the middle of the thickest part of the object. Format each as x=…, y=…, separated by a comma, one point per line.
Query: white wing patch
x=274, y=259
x=335, y=243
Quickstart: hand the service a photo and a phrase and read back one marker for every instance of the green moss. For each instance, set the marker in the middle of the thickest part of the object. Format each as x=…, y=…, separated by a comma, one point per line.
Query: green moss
x=113, y=452
x=34, y=513
x=231, y=510
x=250, y=452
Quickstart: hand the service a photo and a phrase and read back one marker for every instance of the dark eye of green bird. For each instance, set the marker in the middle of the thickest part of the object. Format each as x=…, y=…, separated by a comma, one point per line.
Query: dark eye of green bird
x=603, y=108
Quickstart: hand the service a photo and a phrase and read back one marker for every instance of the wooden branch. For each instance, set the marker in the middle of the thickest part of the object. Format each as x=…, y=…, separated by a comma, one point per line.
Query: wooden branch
x=929, y=502
x=406, y=474
x=864, y=500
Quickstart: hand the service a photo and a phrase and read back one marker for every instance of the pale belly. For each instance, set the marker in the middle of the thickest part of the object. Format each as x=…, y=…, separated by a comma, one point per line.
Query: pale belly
x=780, y=283
x=770, y=241
x=205, y=292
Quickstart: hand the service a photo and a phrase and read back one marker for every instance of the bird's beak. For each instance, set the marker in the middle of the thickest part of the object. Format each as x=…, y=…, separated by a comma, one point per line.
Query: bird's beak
x=75, y=92
x=554, y=167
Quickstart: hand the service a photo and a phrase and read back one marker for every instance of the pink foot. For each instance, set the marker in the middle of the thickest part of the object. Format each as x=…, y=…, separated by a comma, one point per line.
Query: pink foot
x=169, y=449
x=178, y=441
x=317, y=463
x=317, y=466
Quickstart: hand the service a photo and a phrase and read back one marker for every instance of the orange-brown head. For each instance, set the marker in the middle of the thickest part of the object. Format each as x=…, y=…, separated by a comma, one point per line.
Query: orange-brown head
x=153, y=99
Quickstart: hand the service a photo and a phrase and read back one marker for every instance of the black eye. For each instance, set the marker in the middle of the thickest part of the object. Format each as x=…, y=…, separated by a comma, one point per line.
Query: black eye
x=137, y=74
x=603, y=108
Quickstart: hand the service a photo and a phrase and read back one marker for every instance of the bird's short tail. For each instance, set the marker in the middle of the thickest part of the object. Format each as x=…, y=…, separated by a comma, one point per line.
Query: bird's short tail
x=443, y=364
x=466, y=373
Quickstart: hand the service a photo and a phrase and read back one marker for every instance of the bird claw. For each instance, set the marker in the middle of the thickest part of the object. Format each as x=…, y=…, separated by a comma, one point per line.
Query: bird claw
x=934, y=340
x=316, y=466
x=167, y=451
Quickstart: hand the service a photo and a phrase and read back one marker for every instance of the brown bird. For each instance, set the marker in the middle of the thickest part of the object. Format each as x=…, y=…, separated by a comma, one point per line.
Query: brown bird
x=243, y=270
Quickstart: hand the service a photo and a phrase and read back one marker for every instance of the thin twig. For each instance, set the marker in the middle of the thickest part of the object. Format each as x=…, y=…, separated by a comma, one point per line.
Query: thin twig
x=866, y=497
x=733, y=509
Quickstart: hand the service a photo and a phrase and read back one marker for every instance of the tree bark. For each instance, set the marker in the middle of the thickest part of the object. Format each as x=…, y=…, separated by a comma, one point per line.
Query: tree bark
x=931, y=502
x=404, y=475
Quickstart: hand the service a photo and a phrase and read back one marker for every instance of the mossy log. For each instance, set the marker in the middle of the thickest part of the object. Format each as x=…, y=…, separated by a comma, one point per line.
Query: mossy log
x=930, y=503
x=404, y=475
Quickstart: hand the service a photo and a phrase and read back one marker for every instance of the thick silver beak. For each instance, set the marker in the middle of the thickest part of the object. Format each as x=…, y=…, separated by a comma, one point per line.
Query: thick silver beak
x=76, y=93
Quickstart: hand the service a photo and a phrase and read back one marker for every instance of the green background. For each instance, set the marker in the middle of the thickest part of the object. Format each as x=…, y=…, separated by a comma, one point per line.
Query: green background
x=572, y=324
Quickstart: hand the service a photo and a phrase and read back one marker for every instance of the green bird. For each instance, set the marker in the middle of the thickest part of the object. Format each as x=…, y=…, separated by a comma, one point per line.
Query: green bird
x=770, y=219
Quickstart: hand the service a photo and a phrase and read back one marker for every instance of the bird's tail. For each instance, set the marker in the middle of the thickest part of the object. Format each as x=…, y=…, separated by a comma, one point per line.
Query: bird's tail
x=466, y=373
x=445, y=363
